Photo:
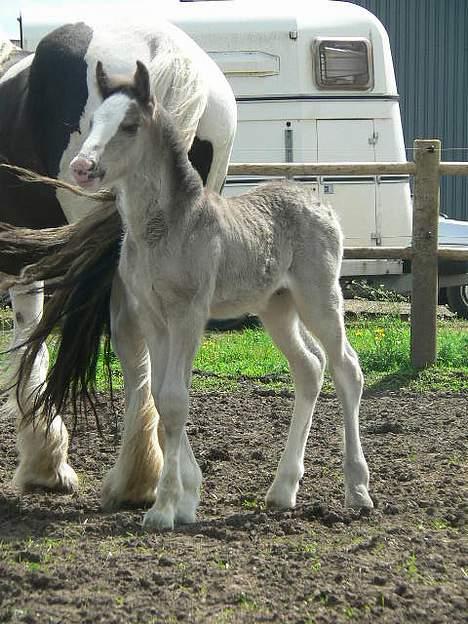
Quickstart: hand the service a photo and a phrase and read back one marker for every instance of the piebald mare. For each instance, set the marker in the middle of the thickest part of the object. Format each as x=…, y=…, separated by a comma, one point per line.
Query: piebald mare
x=189, y=254
x=46, y=104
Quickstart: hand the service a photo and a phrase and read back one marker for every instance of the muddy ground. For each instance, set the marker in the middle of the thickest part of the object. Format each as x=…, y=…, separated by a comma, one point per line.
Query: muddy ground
x=63, y=560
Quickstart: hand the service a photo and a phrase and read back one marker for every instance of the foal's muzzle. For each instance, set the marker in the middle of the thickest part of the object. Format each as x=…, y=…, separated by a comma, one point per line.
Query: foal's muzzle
x=85, y=171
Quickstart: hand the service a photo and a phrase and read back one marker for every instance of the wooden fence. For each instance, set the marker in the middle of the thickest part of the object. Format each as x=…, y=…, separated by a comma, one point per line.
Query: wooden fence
x=424, y=251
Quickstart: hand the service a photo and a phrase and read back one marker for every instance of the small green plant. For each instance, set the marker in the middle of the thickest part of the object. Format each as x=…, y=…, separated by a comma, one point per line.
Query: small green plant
x=224, y=616
x=350, y=613
x=222, y=564
x=457, y=459
x=311, y=548
x=252, y=504
x=411, y=566
x=34, y=566
x=247, y=603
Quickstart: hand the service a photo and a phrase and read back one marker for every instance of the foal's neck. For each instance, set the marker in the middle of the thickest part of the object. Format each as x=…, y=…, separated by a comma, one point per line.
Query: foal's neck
x=163, y=182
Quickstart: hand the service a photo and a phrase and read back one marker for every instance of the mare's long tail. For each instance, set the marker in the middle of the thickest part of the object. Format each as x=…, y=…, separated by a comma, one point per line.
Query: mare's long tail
x=78, y=263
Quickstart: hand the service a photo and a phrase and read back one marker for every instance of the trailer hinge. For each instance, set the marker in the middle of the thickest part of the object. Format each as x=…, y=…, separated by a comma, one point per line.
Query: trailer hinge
x=374, y=138
x=377, y=238
x=288, y=143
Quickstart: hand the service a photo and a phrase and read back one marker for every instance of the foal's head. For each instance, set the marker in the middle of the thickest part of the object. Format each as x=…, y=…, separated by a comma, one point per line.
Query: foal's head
x=116, y=127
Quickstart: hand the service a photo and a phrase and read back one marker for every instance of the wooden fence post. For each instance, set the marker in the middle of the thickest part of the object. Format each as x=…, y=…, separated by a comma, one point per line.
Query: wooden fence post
x=424, y=263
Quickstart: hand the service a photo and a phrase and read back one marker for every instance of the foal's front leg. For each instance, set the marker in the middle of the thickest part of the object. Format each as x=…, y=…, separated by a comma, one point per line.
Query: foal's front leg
x=178, y=494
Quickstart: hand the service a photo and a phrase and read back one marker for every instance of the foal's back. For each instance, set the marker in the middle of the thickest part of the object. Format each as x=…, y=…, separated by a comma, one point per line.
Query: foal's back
x=280, y=218
x=268, y=235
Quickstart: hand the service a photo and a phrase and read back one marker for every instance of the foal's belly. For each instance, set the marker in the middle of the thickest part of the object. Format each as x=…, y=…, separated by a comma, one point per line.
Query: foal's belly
x=253, y=302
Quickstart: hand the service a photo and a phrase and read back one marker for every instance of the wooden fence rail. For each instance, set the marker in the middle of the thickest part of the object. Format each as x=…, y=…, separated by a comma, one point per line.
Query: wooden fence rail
x=424, y=251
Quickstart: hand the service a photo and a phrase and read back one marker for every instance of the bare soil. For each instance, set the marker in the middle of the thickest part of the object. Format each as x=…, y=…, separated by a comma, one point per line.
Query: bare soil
x=63, y=560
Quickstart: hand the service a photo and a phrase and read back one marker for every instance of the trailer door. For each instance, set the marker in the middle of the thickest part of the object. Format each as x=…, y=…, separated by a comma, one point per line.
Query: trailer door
x=353, y=198
x=271, y=140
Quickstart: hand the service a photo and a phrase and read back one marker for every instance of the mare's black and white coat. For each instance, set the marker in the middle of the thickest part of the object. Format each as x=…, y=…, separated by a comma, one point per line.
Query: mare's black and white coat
x=46, y=104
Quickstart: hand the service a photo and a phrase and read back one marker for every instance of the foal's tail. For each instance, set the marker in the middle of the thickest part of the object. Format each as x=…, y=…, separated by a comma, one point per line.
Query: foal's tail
x=78, y=263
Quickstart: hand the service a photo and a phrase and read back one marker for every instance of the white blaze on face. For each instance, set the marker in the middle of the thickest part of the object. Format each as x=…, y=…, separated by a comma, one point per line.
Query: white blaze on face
x=106, y=123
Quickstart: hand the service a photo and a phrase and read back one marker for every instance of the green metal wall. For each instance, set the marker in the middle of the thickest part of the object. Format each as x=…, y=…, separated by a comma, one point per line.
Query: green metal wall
x=429, y=41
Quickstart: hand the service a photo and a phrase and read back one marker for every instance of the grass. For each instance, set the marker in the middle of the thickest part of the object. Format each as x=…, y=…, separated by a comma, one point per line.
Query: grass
x=225, y=359
x=383, y=345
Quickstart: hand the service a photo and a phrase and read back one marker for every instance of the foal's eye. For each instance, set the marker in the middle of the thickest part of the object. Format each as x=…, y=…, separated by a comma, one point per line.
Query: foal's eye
x=130, y=128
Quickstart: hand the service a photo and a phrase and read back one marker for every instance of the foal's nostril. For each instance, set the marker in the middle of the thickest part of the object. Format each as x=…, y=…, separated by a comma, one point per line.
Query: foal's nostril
x=82, y=167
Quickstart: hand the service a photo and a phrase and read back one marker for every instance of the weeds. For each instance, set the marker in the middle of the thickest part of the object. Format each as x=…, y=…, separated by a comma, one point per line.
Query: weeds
x=252, y=504
x=439, y=524
x=411, y=567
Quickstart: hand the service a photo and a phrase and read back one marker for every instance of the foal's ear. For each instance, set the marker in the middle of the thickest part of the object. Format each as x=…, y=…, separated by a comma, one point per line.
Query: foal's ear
x=103, y=81
x=142, y=83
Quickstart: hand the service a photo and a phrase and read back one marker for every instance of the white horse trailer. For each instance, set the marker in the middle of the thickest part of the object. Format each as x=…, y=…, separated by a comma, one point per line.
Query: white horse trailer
x=314, y=82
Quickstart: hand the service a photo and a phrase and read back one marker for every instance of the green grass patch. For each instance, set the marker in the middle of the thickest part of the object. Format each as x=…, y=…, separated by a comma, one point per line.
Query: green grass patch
x=226, y=359
x=383, y=345
x=248, y=353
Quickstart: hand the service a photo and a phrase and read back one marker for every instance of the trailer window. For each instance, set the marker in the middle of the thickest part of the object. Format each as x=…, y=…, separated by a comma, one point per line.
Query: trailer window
x=343, y=63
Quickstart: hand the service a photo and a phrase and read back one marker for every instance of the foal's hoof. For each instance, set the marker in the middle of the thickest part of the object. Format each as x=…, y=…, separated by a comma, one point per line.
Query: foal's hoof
x=358, y=498
x=155, y=519
x=62, y=480
x=280, y=498
x=186, y=510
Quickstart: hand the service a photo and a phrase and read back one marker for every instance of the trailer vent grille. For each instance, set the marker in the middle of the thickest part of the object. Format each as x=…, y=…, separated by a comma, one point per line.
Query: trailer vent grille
x=343, y=63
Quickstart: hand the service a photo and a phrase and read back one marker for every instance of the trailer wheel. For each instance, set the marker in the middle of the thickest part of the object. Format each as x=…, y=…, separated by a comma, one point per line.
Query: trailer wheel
x=457, y=299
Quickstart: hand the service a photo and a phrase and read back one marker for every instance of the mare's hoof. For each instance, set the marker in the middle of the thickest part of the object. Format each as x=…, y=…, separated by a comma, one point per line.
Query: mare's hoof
x=115, y=495
x=63, y=480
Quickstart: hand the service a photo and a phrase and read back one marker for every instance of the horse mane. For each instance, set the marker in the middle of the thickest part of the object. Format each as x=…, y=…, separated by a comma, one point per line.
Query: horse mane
x=179, y=86
x=6, y=49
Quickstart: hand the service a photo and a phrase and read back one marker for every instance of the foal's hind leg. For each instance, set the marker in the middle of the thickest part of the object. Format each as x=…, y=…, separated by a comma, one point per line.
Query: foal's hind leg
x=321, y=311
x=135, y=476
x=42, y=454
x=307, y=364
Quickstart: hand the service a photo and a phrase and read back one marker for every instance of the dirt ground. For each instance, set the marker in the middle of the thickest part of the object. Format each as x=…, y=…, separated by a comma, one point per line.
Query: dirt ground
x=63, y=560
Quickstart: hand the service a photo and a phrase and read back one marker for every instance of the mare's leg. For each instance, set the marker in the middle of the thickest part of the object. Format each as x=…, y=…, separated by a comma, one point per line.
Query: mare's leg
x=42, y=453
x=321, y=310
x=307, y=364
x=178, y=491
x=135, y=476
